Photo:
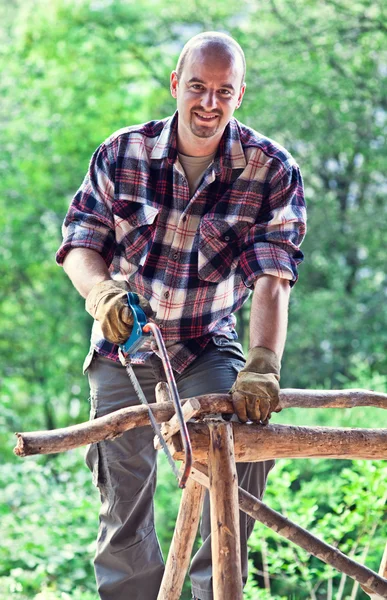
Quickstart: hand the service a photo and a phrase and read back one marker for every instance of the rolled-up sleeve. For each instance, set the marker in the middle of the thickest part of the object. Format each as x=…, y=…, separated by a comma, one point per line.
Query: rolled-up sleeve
x=272, y=245
x=89, y=222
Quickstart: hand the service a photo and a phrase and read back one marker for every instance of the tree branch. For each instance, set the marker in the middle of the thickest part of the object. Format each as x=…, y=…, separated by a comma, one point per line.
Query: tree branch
x=114, y=424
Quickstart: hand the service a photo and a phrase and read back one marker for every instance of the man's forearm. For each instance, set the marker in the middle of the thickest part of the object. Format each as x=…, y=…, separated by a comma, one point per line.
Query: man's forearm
x=85, y=268
x=269, y=313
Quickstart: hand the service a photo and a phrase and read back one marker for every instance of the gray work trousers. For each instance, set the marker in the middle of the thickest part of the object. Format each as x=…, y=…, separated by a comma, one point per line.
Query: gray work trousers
x=128, y=562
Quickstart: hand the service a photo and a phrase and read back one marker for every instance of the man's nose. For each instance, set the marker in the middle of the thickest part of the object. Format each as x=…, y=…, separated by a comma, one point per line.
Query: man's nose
x=209, y=101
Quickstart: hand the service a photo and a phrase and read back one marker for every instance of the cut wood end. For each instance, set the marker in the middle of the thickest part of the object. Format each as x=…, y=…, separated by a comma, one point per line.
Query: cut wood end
x=195, y=404
x=162, y=392
x=19, y=448
x=168, y=429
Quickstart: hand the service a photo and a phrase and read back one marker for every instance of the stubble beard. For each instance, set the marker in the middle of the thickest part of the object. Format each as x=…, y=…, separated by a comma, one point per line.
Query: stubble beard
x=204, y=131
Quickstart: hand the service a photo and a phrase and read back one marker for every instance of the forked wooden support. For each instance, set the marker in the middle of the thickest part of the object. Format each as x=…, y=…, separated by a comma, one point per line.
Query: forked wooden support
x=225, y=536
x=182, y=542
x=168, y=429
x=218, y=477
x=189, y=512
x=222, y=483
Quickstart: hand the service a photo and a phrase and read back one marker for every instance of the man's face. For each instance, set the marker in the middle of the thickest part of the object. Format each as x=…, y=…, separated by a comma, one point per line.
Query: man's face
x=207, y=93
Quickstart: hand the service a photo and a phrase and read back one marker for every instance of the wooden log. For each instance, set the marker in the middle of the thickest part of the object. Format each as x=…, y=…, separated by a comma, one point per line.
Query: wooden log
x=225, y=535
x=352, y=398
x=107, y=427
x=255, y=443
x=113, y=425
x=182, y=542
x=162, y=392
x=168, y=429
x=303, y=538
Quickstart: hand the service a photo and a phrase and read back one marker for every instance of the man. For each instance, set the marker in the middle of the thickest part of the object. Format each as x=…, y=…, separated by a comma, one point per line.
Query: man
x=193, y=213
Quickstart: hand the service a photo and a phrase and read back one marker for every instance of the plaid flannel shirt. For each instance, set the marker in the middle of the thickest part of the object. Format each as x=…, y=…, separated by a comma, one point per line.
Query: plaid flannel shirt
x=194, y=259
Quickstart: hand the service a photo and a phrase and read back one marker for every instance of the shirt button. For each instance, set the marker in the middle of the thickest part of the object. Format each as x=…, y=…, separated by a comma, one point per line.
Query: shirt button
x=226, y=238
x=166, y=295
x=175, y=256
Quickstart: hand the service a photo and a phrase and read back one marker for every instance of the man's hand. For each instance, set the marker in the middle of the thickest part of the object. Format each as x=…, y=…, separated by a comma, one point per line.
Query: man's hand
x=107, y=303
x=255, y=393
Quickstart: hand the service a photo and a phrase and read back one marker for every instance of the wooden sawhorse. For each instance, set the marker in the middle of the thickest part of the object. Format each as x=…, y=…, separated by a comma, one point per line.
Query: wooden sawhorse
x=217, y=445
x=221, y=444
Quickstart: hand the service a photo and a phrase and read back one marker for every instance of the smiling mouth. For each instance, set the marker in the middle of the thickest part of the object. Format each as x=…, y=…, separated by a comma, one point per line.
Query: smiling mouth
x=205, y=118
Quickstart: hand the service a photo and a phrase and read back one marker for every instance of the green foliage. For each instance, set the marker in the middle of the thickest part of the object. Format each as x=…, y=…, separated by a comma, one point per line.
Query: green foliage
x=49, y=516
x=73, y=71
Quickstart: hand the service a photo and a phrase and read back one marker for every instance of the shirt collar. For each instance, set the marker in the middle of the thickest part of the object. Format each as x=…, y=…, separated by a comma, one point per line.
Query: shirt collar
x=166, y=145
x=230, y=153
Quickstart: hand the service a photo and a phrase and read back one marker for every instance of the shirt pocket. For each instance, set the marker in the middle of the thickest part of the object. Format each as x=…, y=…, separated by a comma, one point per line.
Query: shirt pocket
x=136, y=224
x=219, y=247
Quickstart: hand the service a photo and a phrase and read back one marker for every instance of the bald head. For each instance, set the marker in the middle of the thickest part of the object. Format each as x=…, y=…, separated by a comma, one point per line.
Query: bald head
x=208, y=85
x=215, y=43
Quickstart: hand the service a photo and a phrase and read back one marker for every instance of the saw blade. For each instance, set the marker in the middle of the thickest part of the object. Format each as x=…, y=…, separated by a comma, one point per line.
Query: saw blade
x=155, y=425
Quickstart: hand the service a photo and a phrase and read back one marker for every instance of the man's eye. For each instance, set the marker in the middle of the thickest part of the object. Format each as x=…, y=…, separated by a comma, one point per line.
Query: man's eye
x=197, y=86
x=225, y=92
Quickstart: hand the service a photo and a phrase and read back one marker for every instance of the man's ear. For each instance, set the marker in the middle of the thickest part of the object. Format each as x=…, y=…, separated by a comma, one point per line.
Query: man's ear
x=241, y=94
x=174, y=84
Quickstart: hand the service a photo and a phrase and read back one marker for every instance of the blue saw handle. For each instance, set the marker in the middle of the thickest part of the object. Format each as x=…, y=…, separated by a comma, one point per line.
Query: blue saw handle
x=139, y=321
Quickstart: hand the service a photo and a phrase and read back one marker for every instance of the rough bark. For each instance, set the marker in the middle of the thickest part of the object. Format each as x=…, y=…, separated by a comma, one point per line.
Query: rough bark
x=189, y=410
x=107, y=427
x=113, y=425
x=225, y=535
x=294, y=398
x=182, y=543
x=255, y=443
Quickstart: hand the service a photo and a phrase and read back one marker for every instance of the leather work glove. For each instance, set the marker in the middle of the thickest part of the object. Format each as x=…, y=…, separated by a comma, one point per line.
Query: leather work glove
x=107, y=302
x=255, y=393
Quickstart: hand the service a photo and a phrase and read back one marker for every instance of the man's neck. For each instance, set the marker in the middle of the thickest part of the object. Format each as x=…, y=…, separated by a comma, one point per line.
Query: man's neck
x=195, y=146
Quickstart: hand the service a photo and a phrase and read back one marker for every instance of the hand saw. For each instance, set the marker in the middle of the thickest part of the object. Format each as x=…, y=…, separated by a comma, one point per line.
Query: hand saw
x=142, y=328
